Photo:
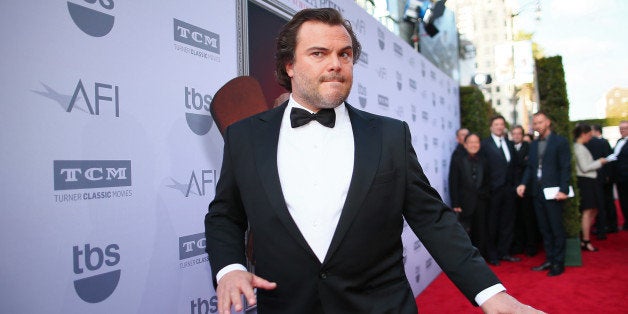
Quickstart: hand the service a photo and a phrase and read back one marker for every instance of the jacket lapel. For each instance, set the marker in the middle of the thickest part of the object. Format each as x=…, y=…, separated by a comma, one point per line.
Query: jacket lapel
x=367, y=139
x=268, y=125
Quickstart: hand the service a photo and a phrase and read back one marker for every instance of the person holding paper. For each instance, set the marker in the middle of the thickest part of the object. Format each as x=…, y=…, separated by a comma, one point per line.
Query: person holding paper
x=591, y=197
x=549, y=165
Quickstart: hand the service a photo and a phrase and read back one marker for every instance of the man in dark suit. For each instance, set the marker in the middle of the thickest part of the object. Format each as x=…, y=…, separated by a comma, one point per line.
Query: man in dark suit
x=461, y=135
x=526, y=229
x=607, y=216
x=500, y=217
x=469, y=187
x=621, y=170
x=326, y=199
x=549, y=165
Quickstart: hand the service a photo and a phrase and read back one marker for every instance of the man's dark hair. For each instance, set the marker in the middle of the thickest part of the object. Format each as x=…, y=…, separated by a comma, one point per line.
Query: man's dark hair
x=471, y=134
x=497, y=117
x=596, y=127
x=580, y=129
x=518, y=126
x=287, y=39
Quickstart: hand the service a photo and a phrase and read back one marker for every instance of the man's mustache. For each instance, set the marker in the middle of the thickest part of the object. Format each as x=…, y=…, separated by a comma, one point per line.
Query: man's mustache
x=333, y=78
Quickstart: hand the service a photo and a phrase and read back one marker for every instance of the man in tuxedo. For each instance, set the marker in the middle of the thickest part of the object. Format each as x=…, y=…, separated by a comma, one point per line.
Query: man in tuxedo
x=621, y=170
x=525, y=237
x=469, y=190
x=549, y=165
x=500, y=217
x=326, y=199
x=607, y=216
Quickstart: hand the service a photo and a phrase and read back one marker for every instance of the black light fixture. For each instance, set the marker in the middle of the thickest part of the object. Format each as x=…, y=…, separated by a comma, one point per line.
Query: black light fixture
x=435, y=11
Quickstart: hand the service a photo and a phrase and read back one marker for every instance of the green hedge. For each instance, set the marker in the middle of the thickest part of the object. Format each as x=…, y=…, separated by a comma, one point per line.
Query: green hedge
x=475, y=112
x=554, y=101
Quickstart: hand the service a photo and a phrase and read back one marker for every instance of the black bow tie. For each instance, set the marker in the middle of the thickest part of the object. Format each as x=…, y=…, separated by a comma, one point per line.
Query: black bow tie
x=299, y=117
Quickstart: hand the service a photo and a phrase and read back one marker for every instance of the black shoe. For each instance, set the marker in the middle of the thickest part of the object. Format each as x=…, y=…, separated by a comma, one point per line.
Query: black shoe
x=586, y=245
x=494, y=262
x=601, y=236
x=556, y=270
x=544, y=266
x=509, y=258
x=531, y=252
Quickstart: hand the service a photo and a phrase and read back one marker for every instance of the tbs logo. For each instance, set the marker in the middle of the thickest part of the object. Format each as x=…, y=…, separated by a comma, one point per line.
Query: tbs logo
x=199, y=120
x=381, y=38
x=87, y=260
x=92, y=22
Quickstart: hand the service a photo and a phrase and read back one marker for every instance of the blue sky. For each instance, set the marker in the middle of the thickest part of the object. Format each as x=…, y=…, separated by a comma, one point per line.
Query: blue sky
x=592, y=38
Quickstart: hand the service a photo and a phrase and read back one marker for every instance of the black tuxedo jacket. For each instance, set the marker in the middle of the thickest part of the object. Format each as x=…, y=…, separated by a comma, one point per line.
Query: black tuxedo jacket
x=556, y=170
x=463, y=190
x=363, y=271
x=501, y=172
x=599, y=147
x=620, y=167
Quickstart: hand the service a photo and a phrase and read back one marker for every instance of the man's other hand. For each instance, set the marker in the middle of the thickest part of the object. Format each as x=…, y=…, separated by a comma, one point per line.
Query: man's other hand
x=236, y=283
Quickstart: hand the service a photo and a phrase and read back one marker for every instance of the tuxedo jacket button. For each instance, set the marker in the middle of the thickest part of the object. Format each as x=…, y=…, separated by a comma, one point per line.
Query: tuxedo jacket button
x=323, y=275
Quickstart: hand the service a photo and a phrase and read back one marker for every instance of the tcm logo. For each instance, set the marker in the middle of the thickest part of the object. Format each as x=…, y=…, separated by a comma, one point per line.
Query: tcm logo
x=399, y=80
x=382, y=101
x=198, y=119
x=398, y=50
x=87, y=261
x=92, y=22
x=196, y=37
x=364, y=58
x=89, y=174
x=197, y=183
x=191, y=245
x=362, y=95
x=99, y=93
x=202, y=306
x=381, y=38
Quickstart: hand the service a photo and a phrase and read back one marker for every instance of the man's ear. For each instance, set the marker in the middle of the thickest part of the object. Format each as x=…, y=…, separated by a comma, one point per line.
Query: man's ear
x=290, y=69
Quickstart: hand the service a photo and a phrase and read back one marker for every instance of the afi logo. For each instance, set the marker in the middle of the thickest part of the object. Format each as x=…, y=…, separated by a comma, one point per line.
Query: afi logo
x=196, y=36
x=196, y=184
x=199, y=120
x=101, y=93
x=88, y=259
x=191, y=245
x=89, y=174
x=92, y=22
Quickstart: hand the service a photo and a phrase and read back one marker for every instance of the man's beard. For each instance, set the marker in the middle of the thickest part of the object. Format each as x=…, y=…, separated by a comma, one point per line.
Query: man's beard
x=309, y=94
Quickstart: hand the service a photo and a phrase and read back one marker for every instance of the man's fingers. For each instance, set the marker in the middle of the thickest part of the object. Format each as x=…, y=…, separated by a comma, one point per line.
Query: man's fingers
x=259, y=282
x=236, y=300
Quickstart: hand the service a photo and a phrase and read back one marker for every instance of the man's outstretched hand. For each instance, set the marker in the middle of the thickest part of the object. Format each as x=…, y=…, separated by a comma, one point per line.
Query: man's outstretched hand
x=236, y=283
x=503, y=303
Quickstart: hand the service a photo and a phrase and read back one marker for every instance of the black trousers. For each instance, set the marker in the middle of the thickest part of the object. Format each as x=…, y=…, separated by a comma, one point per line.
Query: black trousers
x=500, y=219
x=526, y=229
x=549, y=215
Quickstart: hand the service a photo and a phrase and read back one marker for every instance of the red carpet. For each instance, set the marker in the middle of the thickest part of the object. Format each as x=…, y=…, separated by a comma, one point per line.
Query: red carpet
x=599, y=286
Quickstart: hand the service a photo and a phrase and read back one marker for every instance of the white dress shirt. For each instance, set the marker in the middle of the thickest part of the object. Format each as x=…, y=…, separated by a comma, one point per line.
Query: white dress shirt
x=501, y=143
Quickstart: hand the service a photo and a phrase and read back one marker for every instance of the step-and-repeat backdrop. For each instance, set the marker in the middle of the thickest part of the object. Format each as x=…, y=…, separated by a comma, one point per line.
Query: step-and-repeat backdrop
x=110, y=156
